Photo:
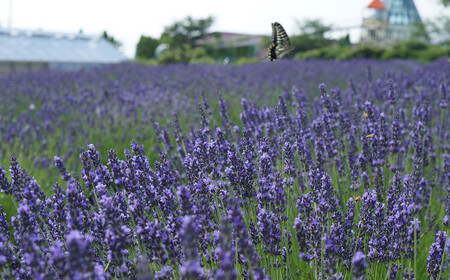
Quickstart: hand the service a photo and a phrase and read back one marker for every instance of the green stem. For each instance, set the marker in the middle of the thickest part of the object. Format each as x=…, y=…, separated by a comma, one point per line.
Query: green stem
x=354, y=251
x=415, y=242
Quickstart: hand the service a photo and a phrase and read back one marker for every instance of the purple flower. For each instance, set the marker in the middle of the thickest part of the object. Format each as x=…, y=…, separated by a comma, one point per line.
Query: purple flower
x=4, y=184
x=331, y=255
x=17, y=179
x=7, y=257
x=62, y=169
x=58, y=217
x=283, y=117
x=269, y=227
x=367, y=221
x=164, y=273
x=77, y=206
x=391, y=93
x=393, y=271
x=4, y=227
x=117, y=234
x=79, y=260
x=408, y=274
x=378, y=242
x=226, y=254
x=434, y=259
x=394, y=143
x=190, y=267
x=117, y=167
x=203, y=119
x=219, y=203
x=443, y=100
x=266, y=176
x=58, y=259
x=245, y=248
x=25, y=224
x=359, y=265
x=191, y=270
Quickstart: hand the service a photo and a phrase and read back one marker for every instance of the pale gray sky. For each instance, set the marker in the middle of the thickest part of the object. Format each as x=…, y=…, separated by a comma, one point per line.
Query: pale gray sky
x=128, y=20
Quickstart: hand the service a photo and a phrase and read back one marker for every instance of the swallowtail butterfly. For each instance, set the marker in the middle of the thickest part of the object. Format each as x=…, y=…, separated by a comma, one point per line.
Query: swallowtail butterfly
x=280, y=46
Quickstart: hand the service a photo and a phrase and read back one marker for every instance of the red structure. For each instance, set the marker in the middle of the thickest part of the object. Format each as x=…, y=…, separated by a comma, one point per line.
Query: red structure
x=377, y=4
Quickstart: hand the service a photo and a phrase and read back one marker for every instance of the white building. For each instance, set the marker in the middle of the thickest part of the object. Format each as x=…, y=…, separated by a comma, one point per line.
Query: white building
x=31, y=50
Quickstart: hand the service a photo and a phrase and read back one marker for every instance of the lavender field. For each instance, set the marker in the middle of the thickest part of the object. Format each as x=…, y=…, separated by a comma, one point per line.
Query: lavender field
x=285, y=170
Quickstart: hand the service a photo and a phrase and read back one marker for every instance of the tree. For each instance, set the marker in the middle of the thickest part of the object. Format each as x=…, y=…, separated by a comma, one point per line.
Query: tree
x=419, y=33
x=439, y=30
x=111, y=39
x=181, y=37
x=186, y=31
x=312, y=36
x=146, y=47
x=344, y=41
x=313, y=27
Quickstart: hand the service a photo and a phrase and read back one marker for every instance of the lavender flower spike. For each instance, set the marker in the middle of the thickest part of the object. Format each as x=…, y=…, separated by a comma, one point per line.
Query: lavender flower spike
x=359, y=266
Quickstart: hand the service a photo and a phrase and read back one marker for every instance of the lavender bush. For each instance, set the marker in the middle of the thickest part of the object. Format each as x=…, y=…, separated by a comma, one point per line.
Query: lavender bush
x=325, y=170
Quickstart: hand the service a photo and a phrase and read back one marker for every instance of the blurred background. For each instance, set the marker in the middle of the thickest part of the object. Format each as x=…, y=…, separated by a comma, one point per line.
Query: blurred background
x=73, y=34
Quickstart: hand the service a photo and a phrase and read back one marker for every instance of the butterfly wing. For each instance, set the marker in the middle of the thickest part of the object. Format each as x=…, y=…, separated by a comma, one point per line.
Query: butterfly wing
x=283, y=49
x=274, y=34
x=280, y=34
x=271, y=51
x=283, y=44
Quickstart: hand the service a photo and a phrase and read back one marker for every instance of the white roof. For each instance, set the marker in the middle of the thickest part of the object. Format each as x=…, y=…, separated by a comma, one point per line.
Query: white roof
x=38, y=46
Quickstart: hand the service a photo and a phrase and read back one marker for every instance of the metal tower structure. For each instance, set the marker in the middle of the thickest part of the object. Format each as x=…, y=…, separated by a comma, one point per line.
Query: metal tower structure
x=402, y=12
x=386, y=23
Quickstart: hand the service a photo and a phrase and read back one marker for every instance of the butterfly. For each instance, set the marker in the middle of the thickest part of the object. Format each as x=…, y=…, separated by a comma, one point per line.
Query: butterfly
x=280, y=46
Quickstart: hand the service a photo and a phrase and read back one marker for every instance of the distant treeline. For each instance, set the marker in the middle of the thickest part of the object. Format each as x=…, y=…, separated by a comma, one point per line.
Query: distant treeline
x=178, y=44
x=407, y=50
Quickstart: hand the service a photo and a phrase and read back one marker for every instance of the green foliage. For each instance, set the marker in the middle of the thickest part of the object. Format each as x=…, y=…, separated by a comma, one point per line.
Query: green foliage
x=415, y=45
x=146, y=47
x=266, y=40
x=344, y=41
x=365, y=52
x=312, y=36
x=313, y=27
x=312, y=43
x=184, y=54
x=173, y=56
x=419, y=33
x=322, y=53
x=417, y=50
x=204, y=60
x=434, y=52
x=186, y=31
x=246, y=60
x=181, y=37
x=147, y=61
x=342, y=53
x=405, y=50
x=199, y=55
x=306, y=42
x=111, y=39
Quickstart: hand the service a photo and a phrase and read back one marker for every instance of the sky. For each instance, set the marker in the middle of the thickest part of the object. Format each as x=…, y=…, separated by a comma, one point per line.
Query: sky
x=128, y=20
